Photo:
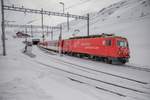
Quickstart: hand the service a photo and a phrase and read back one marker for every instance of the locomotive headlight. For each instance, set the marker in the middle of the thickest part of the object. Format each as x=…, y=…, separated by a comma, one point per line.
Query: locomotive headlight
x=119, y=52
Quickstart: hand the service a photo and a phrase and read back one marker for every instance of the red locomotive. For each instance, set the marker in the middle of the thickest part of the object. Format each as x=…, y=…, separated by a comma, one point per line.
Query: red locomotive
x=106, y=47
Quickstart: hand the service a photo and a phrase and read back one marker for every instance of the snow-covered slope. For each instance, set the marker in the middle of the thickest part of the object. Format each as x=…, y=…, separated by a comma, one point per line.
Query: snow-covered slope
x=128, y=18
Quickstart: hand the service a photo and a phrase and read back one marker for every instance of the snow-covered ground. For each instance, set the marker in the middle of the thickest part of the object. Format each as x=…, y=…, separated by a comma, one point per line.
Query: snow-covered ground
x=47, y=76
x=21, y=79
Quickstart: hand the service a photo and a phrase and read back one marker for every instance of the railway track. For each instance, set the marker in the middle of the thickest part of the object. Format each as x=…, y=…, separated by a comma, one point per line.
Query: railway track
x=70, y=64
x=113, y=91
x=91, y=69
x=88, y=70
x=137, y=68
x=107, y=90
x=75, y=80
x=126, y=66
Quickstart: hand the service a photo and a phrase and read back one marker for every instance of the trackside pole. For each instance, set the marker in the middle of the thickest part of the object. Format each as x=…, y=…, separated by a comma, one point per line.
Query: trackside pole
x=47, y=31
x=31, y=31
x=60, y=38
x=3, y=28
x=42, y=24
x=68, y=21
x=88, y=26
x=52, y=34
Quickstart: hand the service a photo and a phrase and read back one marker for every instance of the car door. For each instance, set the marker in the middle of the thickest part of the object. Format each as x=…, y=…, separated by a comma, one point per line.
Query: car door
x=108, y=45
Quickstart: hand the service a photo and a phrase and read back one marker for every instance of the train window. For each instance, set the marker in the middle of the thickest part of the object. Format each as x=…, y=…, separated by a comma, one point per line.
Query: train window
x=122, y=43
x=103, y=42
x=108, y=42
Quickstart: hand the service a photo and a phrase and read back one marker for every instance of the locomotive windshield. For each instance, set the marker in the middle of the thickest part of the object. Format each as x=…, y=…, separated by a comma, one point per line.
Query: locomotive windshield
x=122, y=43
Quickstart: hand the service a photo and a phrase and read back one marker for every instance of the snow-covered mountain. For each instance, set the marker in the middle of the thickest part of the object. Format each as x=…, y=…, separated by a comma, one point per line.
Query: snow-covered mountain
x=128, y=18
x=124, y=11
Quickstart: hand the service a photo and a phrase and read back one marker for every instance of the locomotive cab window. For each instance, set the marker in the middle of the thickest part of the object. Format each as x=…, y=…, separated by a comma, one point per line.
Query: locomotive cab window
x=122, y=43
x=108, y=42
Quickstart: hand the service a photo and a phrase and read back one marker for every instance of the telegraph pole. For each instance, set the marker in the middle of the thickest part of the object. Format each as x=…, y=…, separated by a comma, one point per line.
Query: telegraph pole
x=3, y=28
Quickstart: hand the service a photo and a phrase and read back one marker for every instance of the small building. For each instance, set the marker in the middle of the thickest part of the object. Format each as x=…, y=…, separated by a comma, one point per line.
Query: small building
x=22, y=35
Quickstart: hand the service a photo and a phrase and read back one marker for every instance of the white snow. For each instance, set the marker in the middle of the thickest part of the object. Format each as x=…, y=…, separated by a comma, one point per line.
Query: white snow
x=21, y=79
x=41, y=77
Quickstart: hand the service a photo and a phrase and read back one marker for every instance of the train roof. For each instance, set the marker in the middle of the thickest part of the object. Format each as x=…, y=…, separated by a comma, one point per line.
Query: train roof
x=104, y=35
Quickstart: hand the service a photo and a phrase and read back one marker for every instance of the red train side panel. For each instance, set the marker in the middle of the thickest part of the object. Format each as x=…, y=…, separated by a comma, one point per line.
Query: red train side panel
x=92, y=46
x=110, y=47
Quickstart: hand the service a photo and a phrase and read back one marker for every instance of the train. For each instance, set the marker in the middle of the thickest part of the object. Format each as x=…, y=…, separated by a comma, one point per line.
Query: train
x=108, y=48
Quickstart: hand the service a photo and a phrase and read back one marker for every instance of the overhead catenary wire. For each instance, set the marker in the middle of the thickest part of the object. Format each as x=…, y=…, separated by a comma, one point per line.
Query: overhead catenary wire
x=28, y=10
x=35, y=11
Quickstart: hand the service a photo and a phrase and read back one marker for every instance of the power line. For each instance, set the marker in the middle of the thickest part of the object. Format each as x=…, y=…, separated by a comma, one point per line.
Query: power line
x=27, y=10
x=38, y=31
x=43, y=12
x=33, y=26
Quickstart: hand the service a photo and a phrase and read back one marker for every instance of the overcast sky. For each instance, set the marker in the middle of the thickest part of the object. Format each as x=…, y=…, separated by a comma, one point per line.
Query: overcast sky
x=79, y=7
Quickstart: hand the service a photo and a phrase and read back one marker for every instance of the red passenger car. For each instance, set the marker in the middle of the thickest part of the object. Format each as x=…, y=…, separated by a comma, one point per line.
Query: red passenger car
x=105, y=47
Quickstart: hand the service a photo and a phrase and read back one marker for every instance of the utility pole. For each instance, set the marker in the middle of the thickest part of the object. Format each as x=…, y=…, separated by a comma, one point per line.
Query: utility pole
x=52, y=34
x=3, y=28
x=26, y=29
x=88, y=24
x=47, y=31
x=42, y=24
x=68, y=20
x=31, y=31
x=60, y=38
